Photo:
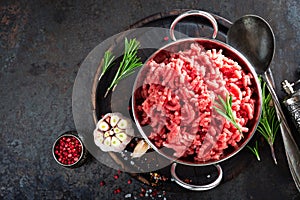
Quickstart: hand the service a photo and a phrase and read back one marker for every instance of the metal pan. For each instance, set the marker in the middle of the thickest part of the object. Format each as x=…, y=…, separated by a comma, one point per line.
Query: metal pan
x=179, y=45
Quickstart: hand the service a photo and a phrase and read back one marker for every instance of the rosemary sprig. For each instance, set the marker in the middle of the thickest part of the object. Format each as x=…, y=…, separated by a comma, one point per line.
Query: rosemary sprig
x=254, y=150
x=225, y=109
x=128, y=64
x=107, y=62
x=269, y=124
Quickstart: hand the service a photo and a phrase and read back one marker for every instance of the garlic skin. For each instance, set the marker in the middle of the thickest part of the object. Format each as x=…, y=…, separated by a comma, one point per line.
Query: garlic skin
x=113, y=132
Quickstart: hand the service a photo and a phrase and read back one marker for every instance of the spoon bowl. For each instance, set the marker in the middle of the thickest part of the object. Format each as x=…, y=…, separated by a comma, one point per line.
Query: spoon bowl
x=253, y=36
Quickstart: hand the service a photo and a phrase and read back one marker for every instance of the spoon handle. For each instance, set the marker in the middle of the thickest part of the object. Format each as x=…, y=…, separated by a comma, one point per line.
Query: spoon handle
x=291, y=148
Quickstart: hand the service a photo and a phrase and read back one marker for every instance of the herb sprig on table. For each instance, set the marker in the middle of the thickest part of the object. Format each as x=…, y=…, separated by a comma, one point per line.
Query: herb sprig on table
x=254, y=150
x=268, y=124
x=225, y=109
x=127, y=66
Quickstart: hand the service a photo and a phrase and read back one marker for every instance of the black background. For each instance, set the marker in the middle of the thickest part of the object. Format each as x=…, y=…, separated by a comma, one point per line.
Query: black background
x=43, y=43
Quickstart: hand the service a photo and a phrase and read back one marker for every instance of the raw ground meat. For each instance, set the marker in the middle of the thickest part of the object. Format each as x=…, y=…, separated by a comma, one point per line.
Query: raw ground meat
x=176, y=100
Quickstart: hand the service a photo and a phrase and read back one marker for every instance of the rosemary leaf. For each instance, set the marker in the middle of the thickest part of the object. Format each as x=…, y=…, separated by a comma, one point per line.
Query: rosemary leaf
x=107, y=62
x=128, y=64
x=268, y=125
x=225, y=110
x=254, y=150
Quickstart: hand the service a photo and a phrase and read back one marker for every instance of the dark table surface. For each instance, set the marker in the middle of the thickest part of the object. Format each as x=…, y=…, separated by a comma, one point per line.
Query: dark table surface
x=43, y=43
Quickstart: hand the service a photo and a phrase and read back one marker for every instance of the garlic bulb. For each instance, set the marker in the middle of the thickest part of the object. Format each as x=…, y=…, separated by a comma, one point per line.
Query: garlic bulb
x=113, y=132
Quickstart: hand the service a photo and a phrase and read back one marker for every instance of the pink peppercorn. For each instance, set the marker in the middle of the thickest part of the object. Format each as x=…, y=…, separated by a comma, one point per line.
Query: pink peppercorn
x=116, y=176
x=67, y=150
x=102, y=183
x=117, y=191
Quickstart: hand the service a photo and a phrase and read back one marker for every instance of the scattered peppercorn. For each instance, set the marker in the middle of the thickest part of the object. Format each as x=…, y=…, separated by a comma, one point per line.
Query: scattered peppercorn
x=154, y=193
x=142, y=194
x=117, y=191
x=116, y=176
x=102, y=183
x=143, y=190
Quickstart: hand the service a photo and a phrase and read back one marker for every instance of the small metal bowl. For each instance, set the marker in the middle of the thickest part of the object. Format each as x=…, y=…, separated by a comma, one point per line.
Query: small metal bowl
x=83, y=152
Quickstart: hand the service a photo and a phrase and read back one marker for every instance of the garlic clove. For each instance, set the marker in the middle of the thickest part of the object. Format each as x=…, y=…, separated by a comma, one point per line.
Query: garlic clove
x=107, y=134
x=115, y=142
x=103, y=126
x=130, y=131
x=98, y=137
x=140, y=149
x=107, y=141
x=114, y=120
x=122, y=124
x=121, y=136
x=117, y=130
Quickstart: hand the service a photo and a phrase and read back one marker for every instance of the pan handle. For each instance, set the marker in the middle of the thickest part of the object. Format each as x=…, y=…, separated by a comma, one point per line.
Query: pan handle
x=197, y=187
x=194, y=13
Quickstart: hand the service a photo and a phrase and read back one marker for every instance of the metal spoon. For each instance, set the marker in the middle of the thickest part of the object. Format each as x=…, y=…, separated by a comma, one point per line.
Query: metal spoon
x=254, y=37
